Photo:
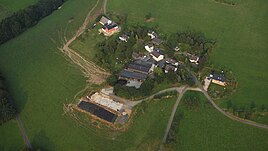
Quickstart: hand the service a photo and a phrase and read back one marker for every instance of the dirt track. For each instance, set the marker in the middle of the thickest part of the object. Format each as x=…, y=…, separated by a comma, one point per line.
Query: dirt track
x=91, y=71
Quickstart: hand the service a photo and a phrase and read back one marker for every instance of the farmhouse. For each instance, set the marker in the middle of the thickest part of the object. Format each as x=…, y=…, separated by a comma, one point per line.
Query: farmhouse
x=136, y=55
x=138, y=68
x=176, y=48
x=172, y=62
x=218, y=79
x=130, y=75
x=149, y=47
x=124, y=37
x=150, y=63
x=157, y=41
x=104, y=20
x=194, y=59
x=170, y=68
x=109, y=29
x=157, y=55
x=152, y=34
x=161, y=64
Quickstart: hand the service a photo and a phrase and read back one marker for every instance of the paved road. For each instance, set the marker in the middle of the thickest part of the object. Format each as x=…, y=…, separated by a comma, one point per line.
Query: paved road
x=23, y=132
x=104, y=6
x=235, y=118
x=181, y=92
x=178, y=89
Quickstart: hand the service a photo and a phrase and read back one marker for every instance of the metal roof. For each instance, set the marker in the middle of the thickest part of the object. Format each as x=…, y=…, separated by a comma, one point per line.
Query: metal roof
x=138, y=67
x=219, y=77
x=97, y=111
x=132, y=75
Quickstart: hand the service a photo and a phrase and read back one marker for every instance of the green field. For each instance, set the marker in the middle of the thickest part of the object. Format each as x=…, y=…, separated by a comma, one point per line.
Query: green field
x=85, y=44
x=240, y=31
x=7, y=7
x=205, y=128
x=41, y=80
x=10, y=136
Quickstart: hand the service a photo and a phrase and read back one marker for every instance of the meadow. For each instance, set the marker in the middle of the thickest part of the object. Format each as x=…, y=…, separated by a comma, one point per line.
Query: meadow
x=41, y=80
x=204, y=128
x=7, y=7
x=240, y=32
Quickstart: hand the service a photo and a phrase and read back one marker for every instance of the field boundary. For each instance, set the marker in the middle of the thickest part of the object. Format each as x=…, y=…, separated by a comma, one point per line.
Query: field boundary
x=91, y=71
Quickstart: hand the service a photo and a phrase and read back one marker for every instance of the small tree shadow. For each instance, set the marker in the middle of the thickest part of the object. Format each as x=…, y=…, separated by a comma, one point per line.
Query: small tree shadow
x=42, y=142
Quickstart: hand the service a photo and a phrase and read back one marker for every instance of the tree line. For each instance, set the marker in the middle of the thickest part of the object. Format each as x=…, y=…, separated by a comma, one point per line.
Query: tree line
x=20, y=21
x=7, y=110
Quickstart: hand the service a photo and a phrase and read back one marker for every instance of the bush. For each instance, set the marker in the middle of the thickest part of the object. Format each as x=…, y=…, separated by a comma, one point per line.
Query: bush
x=22, y=20
x=148, y=16
x=7, y=110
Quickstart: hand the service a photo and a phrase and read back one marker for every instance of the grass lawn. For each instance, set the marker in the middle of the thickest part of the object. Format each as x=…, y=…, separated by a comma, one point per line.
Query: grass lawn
x=7, y=7
x=240, y=31
x=86, y=43
x=10, y=137
x=205, y=128
x=41, y=81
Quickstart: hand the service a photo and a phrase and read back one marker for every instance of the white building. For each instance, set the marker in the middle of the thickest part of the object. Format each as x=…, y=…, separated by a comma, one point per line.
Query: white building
x=157, y=56
x=104, y=20
x=149, y=47
x=194, y=59
x=152, y=34
x=124, y=37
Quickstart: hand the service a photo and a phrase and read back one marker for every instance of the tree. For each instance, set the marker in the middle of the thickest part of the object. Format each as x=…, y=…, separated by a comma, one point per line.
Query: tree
x=147, y=87
x=229, y=104
x=159, y=74
x=111, y=80
x=22, y=20
x=7, y=110
x=148, y=16
x=263, y=108
x=172, y=41
x=252, y=105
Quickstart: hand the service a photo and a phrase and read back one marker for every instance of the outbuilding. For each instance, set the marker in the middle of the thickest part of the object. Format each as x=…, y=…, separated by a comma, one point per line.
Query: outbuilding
x=157, y=55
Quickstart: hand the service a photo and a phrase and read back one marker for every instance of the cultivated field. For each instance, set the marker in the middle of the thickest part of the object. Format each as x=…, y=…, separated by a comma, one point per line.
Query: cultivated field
x=240, y=31
x=204, y=128
x=7, y=7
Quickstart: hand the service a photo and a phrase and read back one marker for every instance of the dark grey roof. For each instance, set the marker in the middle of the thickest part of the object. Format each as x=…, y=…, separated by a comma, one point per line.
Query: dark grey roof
x=157, y=41
x=193, y=57
x=152, y=32
x=150, y=44
x=162, y=64
x=219, y=77
x=104, y=20
x=132, y=75
x=151, y=61
x=169, y=67
x=125, y=36
x=138, y=67
x=97, y=111
x=109, y=26
x=147, y=63
x=156, y=53
x=172, y=61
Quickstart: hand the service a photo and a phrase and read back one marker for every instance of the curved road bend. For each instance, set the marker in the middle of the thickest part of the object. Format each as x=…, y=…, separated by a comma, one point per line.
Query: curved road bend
x=173, y=113
x=235, y=118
